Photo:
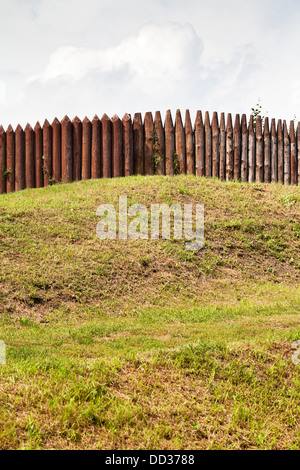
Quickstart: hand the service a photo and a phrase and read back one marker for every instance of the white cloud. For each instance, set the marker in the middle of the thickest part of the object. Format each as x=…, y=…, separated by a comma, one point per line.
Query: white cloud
x=158, y=54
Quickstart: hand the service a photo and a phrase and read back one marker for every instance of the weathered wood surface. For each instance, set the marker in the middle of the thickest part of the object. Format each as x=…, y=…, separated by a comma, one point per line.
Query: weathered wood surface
x=274, y=152
x=29, y=157
x=110, y=147
x=180, y=143
x=251, y=151
x=169, y=143
x=215, y=145
x=128, y=145
x=66, y=150
x=199, y=145
x=229, y=148
x=267, y=152
x=159, y=144
x=189, y=139
x=222, y=148
x=149, y=142
x=96, y=148
x=244, y=149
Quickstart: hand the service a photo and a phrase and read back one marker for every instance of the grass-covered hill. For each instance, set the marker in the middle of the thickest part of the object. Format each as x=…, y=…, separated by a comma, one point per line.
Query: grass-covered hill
x=142, y=344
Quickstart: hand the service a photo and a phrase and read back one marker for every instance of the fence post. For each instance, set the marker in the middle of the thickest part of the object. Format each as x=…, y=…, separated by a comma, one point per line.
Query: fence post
x=159, y=143
x=2, y=160
x=47, y=152
x=66, y=150
x=117, y=146
x=215, y=145
x=77, y=148
x=251, y=152
x=138, y=144
x=148, y=148
x=189, y=142
x=259, y=151
x=222, y=148
x=38, y=144
x=287, y=155
x=180, y=143
x=229, y=149
x=280, y=151
x=128, y=145
x=56, y=158
x=86, y=148
x=293, y=153
x=169, y=143
x=199, y=145
x=10, y=159
x=267, y=152
x=208, y=142
x=96, y=148
x=244, y=156
x=19, y=158
x=29, y=157
x=274, y=152
x=237, y=149
x=106, y=146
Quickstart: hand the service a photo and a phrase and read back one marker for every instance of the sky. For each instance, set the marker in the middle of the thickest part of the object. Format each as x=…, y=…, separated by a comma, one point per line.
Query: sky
x=75, y=57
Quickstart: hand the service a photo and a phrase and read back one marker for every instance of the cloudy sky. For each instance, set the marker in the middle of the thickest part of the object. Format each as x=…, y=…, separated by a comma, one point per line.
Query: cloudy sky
x=92, y=57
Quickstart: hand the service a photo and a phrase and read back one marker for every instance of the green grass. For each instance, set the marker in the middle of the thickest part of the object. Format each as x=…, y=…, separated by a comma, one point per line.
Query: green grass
x=120, y=344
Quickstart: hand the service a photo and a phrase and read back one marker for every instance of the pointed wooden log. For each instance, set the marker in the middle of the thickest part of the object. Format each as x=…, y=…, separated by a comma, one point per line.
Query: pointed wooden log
x=128, y=144
x=47, y=152
x=189, y=143
x=180, y=143
x=29, y=157
x=208, y=146
x=237, y=148
x=149, y=141
x=39, y=163
x=56, y=149
x=292, y=136
x=274, y=152
x=259, y=150
x=199, y=145
x=117, y=146
x=19, y=158
x=106, y=148
x=96, y=148
x=77, y=148
x=215, y=145
x=286, y=155
x=280, y=150
x=159, y=144
x=298, y=152
x=10, y=159
x=251, y=151
x=229, y=148
x=169, y=143
x=66, y=150
x=138, y=144
x=222, y=173
x=267, y=152
x=86, y=148
x=2, y=160
x=244, y=149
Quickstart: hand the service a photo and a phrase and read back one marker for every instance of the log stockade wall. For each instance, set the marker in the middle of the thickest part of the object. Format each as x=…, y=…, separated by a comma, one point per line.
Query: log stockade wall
x=65, y=151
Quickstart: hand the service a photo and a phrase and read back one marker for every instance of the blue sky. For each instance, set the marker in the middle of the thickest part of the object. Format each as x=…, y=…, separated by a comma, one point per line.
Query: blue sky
x=92, y=57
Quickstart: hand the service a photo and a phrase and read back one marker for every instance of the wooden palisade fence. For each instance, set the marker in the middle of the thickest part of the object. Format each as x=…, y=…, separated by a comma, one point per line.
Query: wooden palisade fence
x=103, y=148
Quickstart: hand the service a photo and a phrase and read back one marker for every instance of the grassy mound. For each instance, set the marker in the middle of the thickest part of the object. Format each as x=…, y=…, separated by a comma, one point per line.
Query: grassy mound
x=142, y=344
